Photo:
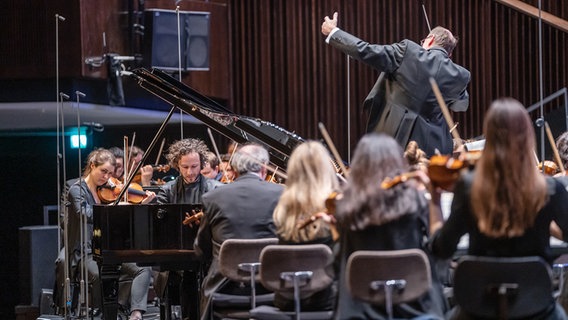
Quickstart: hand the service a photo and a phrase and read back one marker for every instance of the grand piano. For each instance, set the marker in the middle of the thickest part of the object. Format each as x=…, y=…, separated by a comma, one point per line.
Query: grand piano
x=241, y=129
x=154, y=234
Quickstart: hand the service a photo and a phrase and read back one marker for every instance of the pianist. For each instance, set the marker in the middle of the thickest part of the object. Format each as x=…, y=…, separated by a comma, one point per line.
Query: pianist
x=82, y=196
x=188, y=157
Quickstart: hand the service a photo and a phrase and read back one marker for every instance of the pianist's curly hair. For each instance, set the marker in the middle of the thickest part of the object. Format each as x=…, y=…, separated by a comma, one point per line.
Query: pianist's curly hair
x=186, y=146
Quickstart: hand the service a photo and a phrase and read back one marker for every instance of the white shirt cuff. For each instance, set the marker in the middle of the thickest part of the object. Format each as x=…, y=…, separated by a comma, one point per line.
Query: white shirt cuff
x=334, y=30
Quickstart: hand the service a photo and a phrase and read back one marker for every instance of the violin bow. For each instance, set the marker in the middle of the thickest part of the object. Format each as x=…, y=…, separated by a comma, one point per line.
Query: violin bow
x=426, y=17
x=125, y=165
x=445, y=111
x=329, y=142
x=554, y=149
x=160, y=151
x=217, y=151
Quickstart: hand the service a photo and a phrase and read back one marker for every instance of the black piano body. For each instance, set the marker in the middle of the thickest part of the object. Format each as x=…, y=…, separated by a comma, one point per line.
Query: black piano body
x=149, y=235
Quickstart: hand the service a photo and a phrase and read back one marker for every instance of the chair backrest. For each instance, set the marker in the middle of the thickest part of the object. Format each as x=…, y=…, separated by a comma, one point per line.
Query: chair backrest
x=237, y=251
x=276, y=259
x=504, y=288
x=365, y=268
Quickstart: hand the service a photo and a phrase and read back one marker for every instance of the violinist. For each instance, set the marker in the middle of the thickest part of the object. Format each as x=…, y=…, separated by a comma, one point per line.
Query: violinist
x=311, y=179
x=211, y=168
x=562, y=146
x=226, y=169
x=119, y=168
x=146, y=172
x=188, y=157
x=82, y=196
x=373, y=218
x=416, y=157
x=505, y=204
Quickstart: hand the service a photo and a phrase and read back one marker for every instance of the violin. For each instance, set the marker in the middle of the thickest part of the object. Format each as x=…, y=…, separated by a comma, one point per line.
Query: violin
x=389, y=182
x=327, y=215
x=109, y=192
x=444, y=171
x=548, y=167
x=190, y=219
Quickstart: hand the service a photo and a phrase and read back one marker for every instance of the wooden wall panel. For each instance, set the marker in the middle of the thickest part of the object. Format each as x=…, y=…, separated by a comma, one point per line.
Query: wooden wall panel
x=285, y=73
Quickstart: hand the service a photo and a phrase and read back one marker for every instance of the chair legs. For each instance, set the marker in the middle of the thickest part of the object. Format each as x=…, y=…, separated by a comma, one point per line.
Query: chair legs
x=252, y=268
x=295, y=278
x=388, y=285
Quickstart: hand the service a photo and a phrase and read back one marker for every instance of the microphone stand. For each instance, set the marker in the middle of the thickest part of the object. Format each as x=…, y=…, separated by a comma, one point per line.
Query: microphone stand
x=541, y=89
x=64, y=203
x=62, y=212
x=84, y=282
x=179, y=67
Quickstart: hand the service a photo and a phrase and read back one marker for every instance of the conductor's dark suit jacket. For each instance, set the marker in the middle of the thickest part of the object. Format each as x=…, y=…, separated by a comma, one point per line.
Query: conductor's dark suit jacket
x=239, y=210
x=402, y=103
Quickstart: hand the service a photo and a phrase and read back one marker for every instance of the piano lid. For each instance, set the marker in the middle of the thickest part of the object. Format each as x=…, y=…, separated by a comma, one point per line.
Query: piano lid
x=241, y=129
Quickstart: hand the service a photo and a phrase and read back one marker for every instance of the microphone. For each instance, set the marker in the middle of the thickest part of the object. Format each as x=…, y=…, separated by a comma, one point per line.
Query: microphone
x=539, y=122
x=61, y=18
x=63, y=96
x=80, y=94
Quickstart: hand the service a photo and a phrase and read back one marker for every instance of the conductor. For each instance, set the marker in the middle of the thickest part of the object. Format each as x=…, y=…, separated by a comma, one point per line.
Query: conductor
x=402, y=103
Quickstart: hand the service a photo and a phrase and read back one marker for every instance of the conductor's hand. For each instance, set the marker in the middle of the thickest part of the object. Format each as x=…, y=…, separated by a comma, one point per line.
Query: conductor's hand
x=328, y=24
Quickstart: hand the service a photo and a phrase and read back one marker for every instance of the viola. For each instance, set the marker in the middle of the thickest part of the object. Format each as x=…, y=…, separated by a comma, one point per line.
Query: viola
x=110, y=191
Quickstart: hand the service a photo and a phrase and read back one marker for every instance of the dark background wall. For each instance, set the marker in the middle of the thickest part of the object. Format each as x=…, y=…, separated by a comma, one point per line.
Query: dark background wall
x=268, y=60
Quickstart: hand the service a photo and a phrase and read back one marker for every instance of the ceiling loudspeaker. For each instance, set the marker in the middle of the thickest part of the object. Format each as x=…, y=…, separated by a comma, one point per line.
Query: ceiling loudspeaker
x=164, y=45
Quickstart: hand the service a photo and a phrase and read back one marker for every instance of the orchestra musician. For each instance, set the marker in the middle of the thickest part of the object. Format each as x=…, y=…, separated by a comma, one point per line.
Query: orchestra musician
x=311, y=178
x=370, y=217
x=562, y=146
x=226, y=169
x=401, y=104
x=82, y=195
x=146, y=172
x=239, y=210
x=188, y=157
x=505, y=204
x=211, y=168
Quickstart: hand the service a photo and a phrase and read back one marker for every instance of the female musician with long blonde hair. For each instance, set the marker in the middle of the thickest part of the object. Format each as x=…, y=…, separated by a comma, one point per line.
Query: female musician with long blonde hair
x=311, y=179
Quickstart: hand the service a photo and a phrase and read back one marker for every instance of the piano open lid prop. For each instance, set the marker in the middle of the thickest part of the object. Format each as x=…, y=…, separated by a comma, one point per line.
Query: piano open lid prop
x=241, y=129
